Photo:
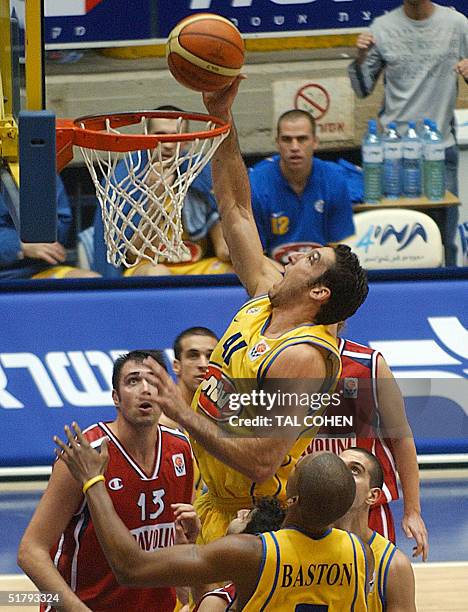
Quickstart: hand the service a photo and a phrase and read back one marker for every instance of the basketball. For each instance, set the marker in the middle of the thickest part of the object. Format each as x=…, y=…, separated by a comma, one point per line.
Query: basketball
x=205, y=52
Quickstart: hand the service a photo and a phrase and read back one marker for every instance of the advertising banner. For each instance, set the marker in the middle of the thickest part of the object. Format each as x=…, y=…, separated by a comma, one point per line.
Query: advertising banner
x=57, y=350
x=81, y=23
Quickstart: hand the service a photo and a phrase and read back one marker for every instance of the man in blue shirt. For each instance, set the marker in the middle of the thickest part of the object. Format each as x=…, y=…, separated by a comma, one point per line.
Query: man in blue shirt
x=38, y=260
x=298, y=199
x=200, y=217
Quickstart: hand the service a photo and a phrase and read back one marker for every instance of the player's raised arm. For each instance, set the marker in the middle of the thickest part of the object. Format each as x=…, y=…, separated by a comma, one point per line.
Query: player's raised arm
x=132, y=566
x=232, y=190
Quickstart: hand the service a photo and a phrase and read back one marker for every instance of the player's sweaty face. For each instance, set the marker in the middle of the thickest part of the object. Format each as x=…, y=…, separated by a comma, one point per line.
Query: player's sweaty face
x=136, y=396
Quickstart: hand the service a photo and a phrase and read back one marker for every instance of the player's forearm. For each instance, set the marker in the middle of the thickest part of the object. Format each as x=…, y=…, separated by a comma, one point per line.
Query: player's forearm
x=121, y=550
x=131, y=565
x=230, y=179
x=37, y=564
x=258, y=459
x=407, y=465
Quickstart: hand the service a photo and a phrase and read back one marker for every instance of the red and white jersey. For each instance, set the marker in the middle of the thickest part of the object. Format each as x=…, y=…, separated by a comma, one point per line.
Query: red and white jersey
x=143, y=502
x=227, y=592
x=358, y=387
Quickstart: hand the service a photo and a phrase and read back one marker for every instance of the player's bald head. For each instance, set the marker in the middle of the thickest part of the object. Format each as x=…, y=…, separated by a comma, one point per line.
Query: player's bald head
x=325, y=488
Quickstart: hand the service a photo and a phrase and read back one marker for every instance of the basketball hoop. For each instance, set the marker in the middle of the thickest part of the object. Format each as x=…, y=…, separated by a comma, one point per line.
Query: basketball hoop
x=140, y=185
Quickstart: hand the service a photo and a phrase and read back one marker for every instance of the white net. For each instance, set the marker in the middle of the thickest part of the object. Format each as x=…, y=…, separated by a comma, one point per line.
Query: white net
x=141, y=194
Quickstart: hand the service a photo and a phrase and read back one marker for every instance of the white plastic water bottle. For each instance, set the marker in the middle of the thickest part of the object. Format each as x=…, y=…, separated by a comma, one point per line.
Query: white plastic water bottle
x=372, y=163
x=412, y=162
x=392, y=165
x=425, y=127
x=434, y=164
x=424, y=130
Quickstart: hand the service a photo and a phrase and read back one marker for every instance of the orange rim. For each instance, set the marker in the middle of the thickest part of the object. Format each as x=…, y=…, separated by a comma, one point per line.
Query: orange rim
x=90, y=132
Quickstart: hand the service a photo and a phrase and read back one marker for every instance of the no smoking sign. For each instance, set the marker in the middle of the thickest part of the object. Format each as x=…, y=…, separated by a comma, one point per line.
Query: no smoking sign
x=314, y=99
x=330, y=101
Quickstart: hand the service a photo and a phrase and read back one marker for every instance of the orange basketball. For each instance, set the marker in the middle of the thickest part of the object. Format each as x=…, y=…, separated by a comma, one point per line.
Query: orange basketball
x=205, y=52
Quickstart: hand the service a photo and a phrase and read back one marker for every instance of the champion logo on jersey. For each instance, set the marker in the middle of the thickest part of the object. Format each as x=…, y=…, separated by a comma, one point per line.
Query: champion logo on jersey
x=319, y=206
x=258, y=350
x=350, y=388
x=115, y=484
x=252, y=310
x=179, y=464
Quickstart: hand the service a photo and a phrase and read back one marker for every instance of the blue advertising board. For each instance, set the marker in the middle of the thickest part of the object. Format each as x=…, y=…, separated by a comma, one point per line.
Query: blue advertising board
x=57, y=350
x=81, y=23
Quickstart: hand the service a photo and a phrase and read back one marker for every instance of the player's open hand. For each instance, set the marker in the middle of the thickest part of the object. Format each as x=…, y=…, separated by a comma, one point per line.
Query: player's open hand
x=414, y=527
x=187, y=523
x=219, y=103
x=364, y=43
x=169, y=399
x=83, y=461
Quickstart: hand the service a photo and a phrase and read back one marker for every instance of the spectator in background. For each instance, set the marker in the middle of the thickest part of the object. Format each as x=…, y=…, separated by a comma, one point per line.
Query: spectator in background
x=297, y=198
x=200, y=218
x=422, y=48
x=38, y=260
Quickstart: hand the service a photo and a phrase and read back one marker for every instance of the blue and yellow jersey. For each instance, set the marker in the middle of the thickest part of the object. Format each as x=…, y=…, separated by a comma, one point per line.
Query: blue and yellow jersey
x=302, y=573
x=244, y=352
x=383, y=551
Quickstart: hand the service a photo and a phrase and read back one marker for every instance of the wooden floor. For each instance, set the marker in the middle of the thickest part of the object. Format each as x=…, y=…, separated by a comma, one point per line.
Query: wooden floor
x=440, y=587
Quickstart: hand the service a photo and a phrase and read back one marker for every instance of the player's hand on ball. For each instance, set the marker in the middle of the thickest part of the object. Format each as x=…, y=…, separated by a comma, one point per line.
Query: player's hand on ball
x=83, y=461
x=219, y=103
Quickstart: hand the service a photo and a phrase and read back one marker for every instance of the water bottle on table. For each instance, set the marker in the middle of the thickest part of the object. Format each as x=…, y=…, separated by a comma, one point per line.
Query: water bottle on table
x=424, y=128
x=392, y=165
x=372, y=164
x=434, y=164
x=412, y=162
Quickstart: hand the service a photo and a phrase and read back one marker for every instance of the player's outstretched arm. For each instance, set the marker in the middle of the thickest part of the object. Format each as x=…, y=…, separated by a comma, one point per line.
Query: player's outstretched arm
x=175, y=566
x=400, y=591
x=397, y=428
x=232, y=190
x=256, y=458
x=56, y=508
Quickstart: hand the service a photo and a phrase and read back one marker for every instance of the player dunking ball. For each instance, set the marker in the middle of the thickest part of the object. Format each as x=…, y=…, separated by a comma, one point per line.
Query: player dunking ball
x=305, y=565
x=149, y=469
x=281, y=333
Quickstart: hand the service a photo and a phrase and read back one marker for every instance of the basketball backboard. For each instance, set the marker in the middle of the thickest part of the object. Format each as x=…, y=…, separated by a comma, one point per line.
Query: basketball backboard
x=27, y=130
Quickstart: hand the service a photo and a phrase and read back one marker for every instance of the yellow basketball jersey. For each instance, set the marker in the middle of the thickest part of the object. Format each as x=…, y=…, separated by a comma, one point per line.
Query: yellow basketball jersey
x=245, y=353
x=300, y=573
x=383, y=551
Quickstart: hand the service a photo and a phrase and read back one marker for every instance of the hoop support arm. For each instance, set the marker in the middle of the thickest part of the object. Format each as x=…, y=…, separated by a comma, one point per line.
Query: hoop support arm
x=65, y=135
